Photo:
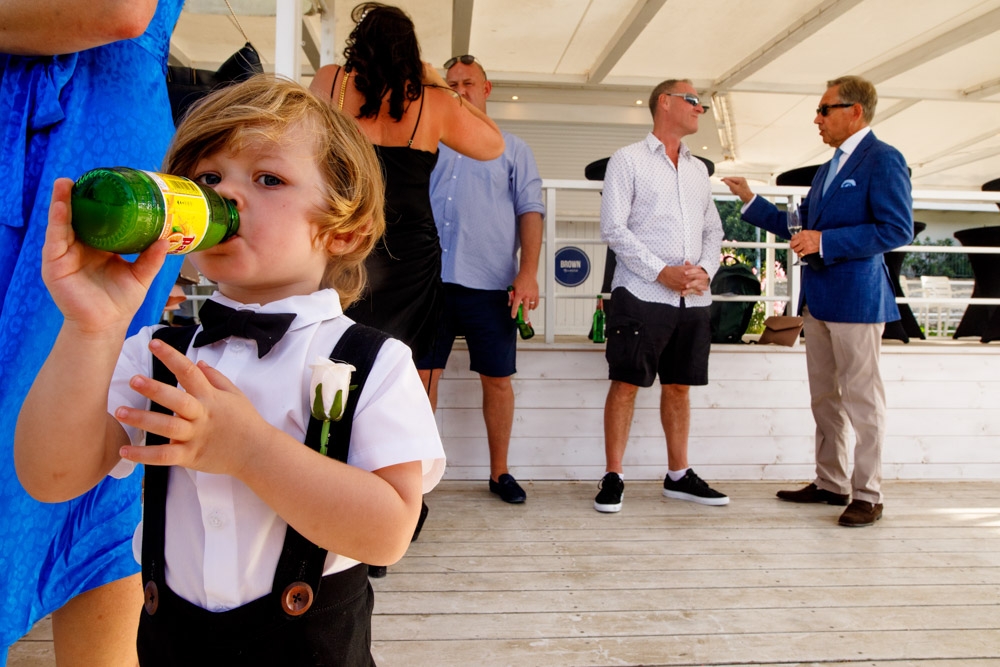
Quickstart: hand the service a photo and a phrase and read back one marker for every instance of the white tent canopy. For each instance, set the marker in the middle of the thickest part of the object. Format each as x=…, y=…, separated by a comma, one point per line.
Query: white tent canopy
x=590, y=64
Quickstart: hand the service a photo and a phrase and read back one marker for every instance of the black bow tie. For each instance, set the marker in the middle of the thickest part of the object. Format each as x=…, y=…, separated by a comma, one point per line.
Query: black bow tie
x=220, y=322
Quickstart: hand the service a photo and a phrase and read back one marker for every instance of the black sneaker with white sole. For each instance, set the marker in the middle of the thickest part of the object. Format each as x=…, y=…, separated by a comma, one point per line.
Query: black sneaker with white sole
x=612, y=488
x=693, y=488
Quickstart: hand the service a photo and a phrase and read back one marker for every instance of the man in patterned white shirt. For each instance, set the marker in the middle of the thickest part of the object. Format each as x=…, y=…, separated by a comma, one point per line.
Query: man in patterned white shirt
x=658, y=216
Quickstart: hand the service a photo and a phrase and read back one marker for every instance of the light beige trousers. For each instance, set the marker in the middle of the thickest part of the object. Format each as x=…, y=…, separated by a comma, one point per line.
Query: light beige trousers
x=847, y=391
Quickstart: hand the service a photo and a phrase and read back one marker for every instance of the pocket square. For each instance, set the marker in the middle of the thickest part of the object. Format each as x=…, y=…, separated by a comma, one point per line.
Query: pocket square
x=849, y=183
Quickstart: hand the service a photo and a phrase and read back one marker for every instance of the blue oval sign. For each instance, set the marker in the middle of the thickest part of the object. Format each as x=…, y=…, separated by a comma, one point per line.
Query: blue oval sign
x=572, y=266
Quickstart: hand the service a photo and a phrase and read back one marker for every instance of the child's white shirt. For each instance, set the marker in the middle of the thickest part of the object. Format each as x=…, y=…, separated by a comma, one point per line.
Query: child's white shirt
x=222, y=542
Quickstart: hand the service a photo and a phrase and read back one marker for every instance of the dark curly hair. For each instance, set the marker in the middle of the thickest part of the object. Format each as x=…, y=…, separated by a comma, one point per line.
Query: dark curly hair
x=383, y=54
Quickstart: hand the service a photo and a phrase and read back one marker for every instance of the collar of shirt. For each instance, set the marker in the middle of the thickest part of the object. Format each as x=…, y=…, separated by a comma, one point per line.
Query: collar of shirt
x=851, y=142
x=655, y=145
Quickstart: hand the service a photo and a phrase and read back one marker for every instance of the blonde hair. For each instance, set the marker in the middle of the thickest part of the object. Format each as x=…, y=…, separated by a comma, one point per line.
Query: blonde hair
x=264, y=108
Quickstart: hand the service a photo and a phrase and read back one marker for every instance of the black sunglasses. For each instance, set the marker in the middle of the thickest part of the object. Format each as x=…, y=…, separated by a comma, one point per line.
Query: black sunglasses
x=693, y=100
x=824, y=109
x=465, y=60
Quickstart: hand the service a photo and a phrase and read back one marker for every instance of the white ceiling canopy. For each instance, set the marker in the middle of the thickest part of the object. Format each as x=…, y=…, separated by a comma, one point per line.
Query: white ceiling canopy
x=763, y=63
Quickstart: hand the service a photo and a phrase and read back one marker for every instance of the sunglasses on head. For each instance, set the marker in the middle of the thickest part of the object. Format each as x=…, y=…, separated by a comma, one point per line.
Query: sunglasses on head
x=465, y=60
x=693, y=100
x=824, y=109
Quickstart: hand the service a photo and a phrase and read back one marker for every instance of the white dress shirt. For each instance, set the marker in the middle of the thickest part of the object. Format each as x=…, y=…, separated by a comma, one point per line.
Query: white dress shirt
x=222, y=542
x=849, y=144
x=654, y=214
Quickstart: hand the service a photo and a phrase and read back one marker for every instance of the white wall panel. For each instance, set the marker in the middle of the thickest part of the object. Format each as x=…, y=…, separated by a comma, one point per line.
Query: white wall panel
x=751, y=422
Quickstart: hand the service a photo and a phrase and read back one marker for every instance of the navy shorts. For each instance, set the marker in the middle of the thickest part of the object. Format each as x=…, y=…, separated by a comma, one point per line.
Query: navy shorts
x=647, y=339
x=483, y=318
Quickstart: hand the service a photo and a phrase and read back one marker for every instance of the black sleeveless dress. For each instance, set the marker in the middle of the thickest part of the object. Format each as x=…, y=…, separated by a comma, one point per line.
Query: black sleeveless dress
x=403, y=296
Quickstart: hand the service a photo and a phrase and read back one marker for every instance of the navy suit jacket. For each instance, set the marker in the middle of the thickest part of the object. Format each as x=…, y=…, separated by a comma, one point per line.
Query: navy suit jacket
x=867, y=211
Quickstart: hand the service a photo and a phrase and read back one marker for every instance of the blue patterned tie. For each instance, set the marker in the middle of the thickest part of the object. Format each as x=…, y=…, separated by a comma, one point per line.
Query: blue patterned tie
x=832, y=173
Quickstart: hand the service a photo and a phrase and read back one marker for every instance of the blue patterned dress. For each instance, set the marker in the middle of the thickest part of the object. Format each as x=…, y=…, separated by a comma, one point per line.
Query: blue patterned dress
x=61, y=116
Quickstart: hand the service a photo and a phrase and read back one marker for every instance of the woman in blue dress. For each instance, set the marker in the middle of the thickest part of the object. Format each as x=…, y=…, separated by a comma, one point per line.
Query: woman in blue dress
x=81, y=86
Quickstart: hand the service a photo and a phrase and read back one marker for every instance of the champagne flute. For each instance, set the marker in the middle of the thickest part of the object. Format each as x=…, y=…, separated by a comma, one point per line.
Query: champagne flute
x=794, y=227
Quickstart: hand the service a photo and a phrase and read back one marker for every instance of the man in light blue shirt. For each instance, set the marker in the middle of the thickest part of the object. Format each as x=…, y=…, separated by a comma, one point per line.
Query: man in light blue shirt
x=485, y=212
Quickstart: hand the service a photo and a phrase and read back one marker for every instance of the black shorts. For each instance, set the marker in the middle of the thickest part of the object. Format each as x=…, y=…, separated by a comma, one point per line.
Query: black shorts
x=483, y=318
x=336, y=630
x=646, y=339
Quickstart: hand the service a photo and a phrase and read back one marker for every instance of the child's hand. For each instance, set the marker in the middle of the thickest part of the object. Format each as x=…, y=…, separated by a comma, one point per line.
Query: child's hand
x=214, y=427
x=94, y=289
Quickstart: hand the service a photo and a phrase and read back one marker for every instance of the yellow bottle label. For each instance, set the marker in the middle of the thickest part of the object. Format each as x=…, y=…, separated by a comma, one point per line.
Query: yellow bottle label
x=186, y=222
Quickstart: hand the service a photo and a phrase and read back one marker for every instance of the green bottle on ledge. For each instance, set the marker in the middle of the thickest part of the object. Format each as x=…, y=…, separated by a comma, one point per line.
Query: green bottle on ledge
x=125, y=211
x=523, y=326
x=598, y=325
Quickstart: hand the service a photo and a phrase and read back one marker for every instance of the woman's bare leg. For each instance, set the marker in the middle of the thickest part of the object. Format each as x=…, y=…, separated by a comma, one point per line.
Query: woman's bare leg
x=99, y=627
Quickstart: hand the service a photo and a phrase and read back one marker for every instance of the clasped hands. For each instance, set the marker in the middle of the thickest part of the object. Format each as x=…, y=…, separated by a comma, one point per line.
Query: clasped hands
x=686, y=279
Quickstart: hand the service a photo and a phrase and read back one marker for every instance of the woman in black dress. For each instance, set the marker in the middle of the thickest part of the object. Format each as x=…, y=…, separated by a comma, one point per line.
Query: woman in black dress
x=404, y=106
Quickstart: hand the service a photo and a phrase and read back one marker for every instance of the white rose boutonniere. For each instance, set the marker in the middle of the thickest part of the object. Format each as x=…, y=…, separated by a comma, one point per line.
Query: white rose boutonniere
x=328, y=389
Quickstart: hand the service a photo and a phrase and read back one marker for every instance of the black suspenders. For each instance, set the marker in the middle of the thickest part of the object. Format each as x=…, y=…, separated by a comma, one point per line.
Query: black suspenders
x=300, y=566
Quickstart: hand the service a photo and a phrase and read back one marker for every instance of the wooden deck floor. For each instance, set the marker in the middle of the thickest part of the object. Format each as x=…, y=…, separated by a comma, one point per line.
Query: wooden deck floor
x=665, y=582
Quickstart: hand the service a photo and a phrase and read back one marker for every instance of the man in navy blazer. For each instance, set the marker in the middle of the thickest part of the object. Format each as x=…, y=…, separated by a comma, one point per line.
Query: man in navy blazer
x=858, y=208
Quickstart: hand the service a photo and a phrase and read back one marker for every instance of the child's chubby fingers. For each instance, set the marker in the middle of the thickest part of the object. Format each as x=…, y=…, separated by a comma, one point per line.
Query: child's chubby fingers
x=195, y=378
x=173, y=398
x=174, y=427
x=59, y=233
x=161, y=455
x=214, y=424
x=60, y=237
x=150, y=261
x=217, y=379
x=61, y=255
x=93, y=288
x=189, y=375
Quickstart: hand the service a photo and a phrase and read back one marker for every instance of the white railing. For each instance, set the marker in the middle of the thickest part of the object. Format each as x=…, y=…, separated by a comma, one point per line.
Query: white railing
x=968, y=201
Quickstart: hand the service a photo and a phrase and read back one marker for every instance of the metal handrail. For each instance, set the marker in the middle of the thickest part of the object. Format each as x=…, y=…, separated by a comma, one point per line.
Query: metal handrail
x=953, y=200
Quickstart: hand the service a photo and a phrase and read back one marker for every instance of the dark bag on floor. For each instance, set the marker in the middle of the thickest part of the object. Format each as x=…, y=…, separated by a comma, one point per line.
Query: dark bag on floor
x=187, y=85
x=730, y=319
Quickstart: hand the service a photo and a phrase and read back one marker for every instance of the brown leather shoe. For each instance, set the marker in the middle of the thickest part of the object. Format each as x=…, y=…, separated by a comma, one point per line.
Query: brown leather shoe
x=860, y=513
x=814, y=494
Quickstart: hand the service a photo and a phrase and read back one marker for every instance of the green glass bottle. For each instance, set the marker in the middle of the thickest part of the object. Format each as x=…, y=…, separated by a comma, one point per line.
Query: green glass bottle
x=125, y=211
x=523, y=326
x=598, y=325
